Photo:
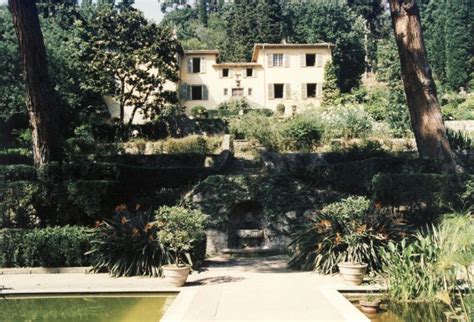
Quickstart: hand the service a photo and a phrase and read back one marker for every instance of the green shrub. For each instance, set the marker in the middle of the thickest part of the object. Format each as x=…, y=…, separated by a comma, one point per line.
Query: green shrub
x=16, y=156
x=458, y=107
x=82, y=142
x=349, y=121
x=302, y=132
x=376, y=104
x=17, y=172
x=459, y=141
x=434, y=191
x=233, y=107
x=344, y=231
x=47, y=247
x=19, y=204
x=280, y=109
x=179, y=228
x=189, y=144
x=434, y=265
x=261, y=111
x=127, y=245
x=410, y=268
x=253, y=126
x=199, y=112
x=91, y=198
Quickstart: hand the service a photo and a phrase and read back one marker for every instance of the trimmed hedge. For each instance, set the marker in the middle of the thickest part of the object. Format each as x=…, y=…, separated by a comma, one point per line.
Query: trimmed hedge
x=46, y=247
x=438, y=191
x=356, y=176
x=59, y=247
x=17, y=172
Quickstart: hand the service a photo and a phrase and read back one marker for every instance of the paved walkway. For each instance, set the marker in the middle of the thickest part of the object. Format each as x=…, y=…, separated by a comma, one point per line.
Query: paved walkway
x=261, y=290
x=228, y=290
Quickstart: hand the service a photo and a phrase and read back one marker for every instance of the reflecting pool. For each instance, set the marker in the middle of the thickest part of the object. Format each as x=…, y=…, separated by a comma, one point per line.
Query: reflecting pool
x=78, y=308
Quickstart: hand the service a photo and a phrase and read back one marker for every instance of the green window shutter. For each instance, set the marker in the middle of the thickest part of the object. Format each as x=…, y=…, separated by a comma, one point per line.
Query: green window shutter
x=190, y=65
x=319, y=89
x=203, y=65
x=286, y=60
x=304, y=92
x=287, y=91
x=270, y=60
x=303, y=60
x=183, y=92
x=271, y=94
x=205, y=93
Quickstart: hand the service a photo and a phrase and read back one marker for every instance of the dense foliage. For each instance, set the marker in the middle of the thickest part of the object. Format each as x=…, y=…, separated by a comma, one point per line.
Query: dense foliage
x=130, y=59
x=48, y=247
x=127, y=245
x=434, y=265
x=179, y=228
x=344, y=231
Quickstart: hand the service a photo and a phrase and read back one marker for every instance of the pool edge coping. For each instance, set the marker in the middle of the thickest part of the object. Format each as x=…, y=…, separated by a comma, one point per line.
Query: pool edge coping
x=348, y=311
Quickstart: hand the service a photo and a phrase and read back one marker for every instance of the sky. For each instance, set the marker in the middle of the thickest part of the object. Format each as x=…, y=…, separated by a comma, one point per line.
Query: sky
x=150, y=8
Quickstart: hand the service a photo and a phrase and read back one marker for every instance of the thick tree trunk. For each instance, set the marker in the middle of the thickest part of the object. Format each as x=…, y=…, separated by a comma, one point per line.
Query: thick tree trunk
x=420, y=89
x=39, y=94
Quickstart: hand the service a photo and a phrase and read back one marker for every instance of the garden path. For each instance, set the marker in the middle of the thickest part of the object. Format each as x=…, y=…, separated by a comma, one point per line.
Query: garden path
x=260, y=289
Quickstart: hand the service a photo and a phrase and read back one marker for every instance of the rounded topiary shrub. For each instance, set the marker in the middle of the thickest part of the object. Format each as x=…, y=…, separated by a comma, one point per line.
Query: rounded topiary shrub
x=280, y=109
x=199, y=112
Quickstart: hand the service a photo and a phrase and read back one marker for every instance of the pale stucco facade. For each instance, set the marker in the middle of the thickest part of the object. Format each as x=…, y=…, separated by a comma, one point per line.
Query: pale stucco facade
x=288, y=74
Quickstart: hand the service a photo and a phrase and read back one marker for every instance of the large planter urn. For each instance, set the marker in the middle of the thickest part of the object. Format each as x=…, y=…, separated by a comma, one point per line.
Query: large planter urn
x=176, y=275
x=353, y=273
x=369, y=306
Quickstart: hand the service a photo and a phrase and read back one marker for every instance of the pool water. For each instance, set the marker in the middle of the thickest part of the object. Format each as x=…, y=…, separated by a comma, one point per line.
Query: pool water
x=408, y=312
x=101, y=308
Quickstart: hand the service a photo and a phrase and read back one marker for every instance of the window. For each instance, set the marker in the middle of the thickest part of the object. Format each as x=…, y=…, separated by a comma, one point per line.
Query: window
x=237, y=92
x=196, y=65
x=196, y=92
x=226, y=91
x=278, y=90
x=310, y=60
x=311, y=90
x=278, y=60
x=225, y=72
x=249, y=72
x=249, y=91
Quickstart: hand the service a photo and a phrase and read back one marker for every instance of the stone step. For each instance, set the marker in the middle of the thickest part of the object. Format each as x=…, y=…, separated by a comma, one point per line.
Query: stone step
x=250, y=251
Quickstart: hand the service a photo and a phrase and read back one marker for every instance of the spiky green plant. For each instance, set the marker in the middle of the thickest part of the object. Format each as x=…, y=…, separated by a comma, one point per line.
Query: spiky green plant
x=344, y=231
x=127, y=245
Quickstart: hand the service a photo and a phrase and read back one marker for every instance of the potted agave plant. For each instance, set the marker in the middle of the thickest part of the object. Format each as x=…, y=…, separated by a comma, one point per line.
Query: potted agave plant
x=178, y=228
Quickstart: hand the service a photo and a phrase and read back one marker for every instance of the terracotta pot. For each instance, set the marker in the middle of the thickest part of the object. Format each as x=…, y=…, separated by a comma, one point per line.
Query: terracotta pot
x=353, y=273
x=175, y=275
x=369, y=306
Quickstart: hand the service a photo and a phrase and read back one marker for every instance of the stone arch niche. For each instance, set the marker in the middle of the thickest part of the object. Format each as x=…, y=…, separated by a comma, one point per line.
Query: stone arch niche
x=245, y=228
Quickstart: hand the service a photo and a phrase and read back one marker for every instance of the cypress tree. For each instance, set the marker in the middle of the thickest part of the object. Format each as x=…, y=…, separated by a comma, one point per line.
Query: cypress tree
x=270, y=21
x=202, y=12
x=434, y=21
x=459, y=42
x=241, y=31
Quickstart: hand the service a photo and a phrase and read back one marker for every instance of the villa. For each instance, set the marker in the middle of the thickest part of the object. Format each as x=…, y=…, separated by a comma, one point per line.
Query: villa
x=288, y=74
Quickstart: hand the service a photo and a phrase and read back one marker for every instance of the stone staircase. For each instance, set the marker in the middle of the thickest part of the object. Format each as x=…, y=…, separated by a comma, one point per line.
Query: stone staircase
x=245, y=162
x=244, y=167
